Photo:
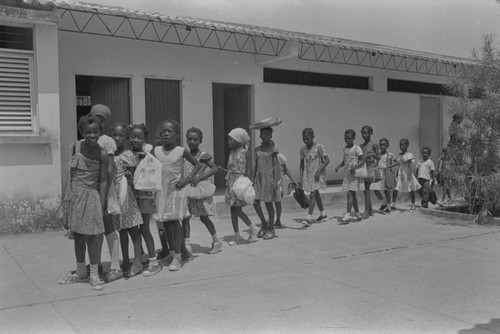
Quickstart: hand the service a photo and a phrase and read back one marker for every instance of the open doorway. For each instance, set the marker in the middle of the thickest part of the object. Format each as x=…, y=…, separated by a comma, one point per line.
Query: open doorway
x=111, y=91
x=231, y=109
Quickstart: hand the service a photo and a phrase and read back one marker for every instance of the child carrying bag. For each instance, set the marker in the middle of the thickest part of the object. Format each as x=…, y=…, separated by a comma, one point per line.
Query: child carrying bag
x=147, y=176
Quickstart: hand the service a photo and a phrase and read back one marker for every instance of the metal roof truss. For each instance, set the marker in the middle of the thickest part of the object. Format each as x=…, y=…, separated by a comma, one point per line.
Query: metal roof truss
x=367, y=58
x=154, y=30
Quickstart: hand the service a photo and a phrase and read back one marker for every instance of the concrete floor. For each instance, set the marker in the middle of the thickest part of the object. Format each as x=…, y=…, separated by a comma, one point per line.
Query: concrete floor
x=403, y=272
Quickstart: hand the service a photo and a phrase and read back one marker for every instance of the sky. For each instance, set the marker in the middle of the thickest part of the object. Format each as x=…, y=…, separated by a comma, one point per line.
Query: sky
x=449, y=27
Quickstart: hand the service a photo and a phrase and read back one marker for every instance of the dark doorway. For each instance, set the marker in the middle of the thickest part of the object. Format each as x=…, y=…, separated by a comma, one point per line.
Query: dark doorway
x=110, y=91
x=231, y=109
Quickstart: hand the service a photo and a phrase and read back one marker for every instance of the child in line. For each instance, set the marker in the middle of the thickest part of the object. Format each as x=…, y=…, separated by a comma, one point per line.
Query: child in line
x=108, y=144
x=353, y=157
x=405, y=180
x=313, y=162
x=443, y=176
x=128, y=222
x=425, y=173
x=87, y=200
x=283, y=171
x=200, y=200
x=266, y=182
x=386, y=159
x=145, y=199
x=170, y=210
x=238, y=165
x=371, y=156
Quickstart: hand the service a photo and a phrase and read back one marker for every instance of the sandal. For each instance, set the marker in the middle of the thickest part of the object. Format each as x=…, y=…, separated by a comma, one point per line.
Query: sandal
x=114, y=275
x=134, y=270
x=270, y=234
x=96, y=283
x=261, y=232
x=72, y=278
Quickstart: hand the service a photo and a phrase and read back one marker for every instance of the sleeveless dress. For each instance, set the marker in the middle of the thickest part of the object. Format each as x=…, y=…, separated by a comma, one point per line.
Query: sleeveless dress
x=200, y=206
x=170, y=202
x=268, y=175
x=85, y=211
x=351, y=157
x=130, y=214
x=406, y=180
x=236, y=167
x=313, y=158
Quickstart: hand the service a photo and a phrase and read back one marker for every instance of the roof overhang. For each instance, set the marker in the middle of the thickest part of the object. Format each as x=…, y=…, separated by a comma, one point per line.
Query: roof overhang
x=170, y=29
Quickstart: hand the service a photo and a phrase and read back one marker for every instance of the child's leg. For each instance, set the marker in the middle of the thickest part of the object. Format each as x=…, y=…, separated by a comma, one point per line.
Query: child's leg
x=248, y=222
x=412, y=197
x=355, y=202
x=124, y=246
x=178, y=242
x=368, y=200
x=93, y=250
x=81, y=271
x=100, y=242
x=113, y=243
x=135, y=235
x=319, y=201
x=378, y=194
x=264, y=223
x=146, y=234
x=387, y=197
x=349, y=200
x=216, y=243
x=312, y=203
x=278, y=214
x=234, y=222
x=186, y=228
x=162, y=233
x=394, y=198
x=270, y=213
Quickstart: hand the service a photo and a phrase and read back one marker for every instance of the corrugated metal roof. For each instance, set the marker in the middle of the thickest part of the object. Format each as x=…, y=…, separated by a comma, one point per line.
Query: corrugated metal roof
x=279, y=34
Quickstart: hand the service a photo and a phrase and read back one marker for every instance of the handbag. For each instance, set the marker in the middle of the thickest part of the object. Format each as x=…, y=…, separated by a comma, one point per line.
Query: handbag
x=361, y=171
x=301, y=198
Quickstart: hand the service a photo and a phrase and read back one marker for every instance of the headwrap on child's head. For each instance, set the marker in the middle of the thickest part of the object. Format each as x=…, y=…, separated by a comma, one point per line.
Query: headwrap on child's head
x=240, y=135
x=100, y=110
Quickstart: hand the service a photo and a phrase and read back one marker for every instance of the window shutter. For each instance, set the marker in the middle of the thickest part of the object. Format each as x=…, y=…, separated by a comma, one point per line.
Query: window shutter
x=16, y=103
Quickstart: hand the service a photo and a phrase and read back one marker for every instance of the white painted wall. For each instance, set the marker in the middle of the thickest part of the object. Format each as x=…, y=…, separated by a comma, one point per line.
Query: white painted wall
x=38, y=176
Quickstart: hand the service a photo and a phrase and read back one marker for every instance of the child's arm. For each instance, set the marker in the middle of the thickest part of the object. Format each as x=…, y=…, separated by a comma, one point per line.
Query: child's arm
x=342, y=164
x=248, y=167
x=322, y=167
x=213, y=170
x=301, y=175
x=289, y=174
x=376, y=154
x=103, y=181
x=197, y=167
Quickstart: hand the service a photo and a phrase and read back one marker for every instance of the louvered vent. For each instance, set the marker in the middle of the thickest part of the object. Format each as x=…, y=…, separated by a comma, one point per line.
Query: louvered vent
x=16, y=107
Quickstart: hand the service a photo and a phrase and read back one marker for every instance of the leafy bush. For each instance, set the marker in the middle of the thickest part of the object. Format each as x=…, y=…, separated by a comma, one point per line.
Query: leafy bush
x=476, y=160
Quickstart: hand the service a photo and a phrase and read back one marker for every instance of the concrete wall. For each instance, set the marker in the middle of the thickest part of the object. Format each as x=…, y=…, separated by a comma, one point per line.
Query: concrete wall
x=30, y=165
x=329, y=111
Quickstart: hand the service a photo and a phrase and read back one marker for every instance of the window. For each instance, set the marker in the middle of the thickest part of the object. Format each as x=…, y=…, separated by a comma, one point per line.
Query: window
x=16, y=80
x=315, y=79
x=416, y=87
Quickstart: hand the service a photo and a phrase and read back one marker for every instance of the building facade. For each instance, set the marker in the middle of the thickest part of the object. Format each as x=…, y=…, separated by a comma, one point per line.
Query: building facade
x=208, y=74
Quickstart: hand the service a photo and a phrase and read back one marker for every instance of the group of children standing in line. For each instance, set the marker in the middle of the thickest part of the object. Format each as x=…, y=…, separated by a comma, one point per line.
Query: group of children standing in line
x=102, y=172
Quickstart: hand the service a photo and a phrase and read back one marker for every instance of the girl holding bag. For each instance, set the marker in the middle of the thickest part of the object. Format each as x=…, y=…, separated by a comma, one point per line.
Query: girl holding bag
x=353, y=158
x=201, y=190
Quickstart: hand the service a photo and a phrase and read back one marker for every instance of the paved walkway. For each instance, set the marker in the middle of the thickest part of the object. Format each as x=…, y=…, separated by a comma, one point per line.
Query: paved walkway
x=398, y=273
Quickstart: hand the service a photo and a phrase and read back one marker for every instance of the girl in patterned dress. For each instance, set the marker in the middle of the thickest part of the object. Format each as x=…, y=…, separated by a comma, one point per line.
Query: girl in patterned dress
x=130, y=219
x=237, y=166
x=87, y=200
x=353, y=158
x=370, y=156
x=313, y=162
x=145, y=199
x=266, y=182
x=200, y=200
x=405, y=179
x=386, y=159
x=170, y=201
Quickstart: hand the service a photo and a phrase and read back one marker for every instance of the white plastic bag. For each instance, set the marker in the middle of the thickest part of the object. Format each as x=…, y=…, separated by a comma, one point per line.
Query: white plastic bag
x=177, y=205
x=203, y=189
x=113, y=206
x=243, y=189
x=147, y=176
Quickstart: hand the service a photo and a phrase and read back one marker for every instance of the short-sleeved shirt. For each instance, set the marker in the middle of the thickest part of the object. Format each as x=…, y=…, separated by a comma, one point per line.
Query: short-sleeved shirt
x=108, y=144
x=425, y=168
